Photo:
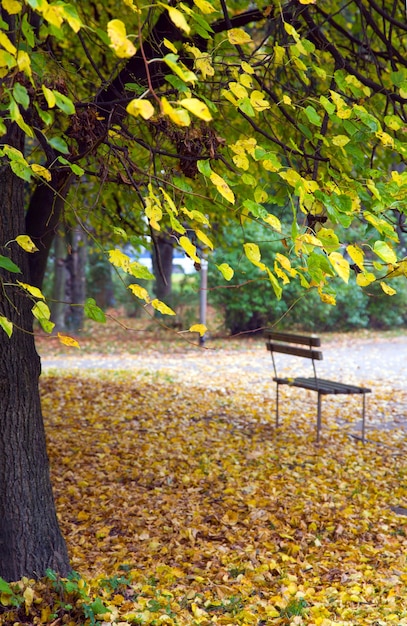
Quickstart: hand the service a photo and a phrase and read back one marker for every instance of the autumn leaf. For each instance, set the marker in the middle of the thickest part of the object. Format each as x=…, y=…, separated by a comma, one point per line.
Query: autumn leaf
x=226, y=271
x=122, y=46
x=162, y=307
x=6, y=325
x=197, y=107
x=68, y=341
x=198, y=328
x=25, y=242
x=34, y=291
x=223, y=188
x=238, y=36
x=140, y=107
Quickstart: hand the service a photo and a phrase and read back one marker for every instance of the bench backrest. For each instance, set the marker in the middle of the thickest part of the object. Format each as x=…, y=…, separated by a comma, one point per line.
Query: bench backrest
x=295, y=345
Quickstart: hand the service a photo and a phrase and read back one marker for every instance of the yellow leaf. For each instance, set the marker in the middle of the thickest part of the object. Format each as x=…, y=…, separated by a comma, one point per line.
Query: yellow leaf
x=12, y=6
x=387, y=289
x=246, y=67
x=49, y=96
x=28, y=596
x=153, y=213
x=178, y=116
x=42, y=171
x=364, y=279
x=399, y=269
x=241, y=161
x=68, y=341
x=204, y=6
x=168, y=44
x=238, y=90
x=246, y=80
x=189, y=248
x=291, y=176
x=25, y=242
x=198, y=328
x=34, y=291
x=226, y=271
x=258, y=101
x=178, y=19
x=252, y=251
x=238, y=36
x=273, y=221
x=6, y=44
x=53, y=15
x=140, y=292
x=172, y=60
x=122, y=46
x=198, y=108
x=6, y=325
x=340, y=140
x=230, y=518
x=119, y=259
x=204, y=65
x=161, y=307
x=140, y=107
x=340, y=265
x=223, y=188
x=327, y=298
x=204, y=238
x=356, y=254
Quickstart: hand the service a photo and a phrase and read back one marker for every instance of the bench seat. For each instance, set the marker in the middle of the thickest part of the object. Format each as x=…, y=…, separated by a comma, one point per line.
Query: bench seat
x=308, y=347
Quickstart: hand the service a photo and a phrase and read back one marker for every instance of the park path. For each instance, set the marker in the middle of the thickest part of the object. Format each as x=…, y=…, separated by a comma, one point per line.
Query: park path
x=349, y=359
x=379, y=363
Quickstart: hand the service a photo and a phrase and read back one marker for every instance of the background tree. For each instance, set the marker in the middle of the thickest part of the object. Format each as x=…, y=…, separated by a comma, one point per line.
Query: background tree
x=201, y=111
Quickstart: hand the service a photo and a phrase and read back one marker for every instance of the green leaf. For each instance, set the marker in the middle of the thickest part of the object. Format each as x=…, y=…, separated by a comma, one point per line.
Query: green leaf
x=7, y=326
x=21, y=96
x=384, y=252
x=64, y=103
x=140, y=271
x=4, y=586
x=93, y=312
x=59, y=144
x=255, y=208
x=8, y=265
x=312, y=115
x=177, y=83
x=98, y=607
x=205, y=168
x=246, y=106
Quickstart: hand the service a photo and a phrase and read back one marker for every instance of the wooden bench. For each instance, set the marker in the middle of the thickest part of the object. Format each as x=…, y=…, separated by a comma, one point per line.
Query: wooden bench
x=306, y=346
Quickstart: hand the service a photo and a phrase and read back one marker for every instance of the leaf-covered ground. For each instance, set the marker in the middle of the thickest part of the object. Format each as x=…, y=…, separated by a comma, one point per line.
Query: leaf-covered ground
x=182, y=505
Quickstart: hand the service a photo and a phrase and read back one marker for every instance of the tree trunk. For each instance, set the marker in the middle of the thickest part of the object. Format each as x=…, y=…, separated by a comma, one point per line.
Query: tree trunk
x=162, y=257
x=30, y=538
x=76, y=265
x=59, y=306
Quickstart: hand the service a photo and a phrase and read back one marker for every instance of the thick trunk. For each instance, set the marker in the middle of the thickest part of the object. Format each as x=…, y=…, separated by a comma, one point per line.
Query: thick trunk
x=30, y=538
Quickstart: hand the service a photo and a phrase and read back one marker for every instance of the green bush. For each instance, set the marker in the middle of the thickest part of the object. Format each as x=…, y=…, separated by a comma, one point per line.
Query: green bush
x=248, y=302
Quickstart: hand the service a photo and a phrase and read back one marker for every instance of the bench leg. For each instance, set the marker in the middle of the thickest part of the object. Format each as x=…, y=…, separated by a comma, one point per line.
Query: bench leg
x=363, y=417
x=277, y=398
x=319, y=416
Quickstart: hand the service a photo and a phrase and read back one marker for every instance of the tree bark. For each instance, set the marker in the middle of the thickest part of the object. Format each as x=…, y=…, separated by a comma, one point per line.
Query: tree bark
x=162, y=258
x=58, y=306
x=30, y=538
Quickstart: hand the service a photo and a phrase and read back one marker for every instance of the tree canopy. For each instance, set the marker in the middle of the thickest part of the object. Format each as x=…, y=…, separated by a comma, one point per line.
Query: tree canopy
x=133, y=118
x=193, y=114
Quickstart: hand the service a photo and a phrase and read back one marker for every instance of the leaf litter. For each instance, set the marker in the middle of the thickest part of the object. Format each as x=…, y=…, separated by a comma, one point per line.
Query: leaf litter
x=181, y=504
